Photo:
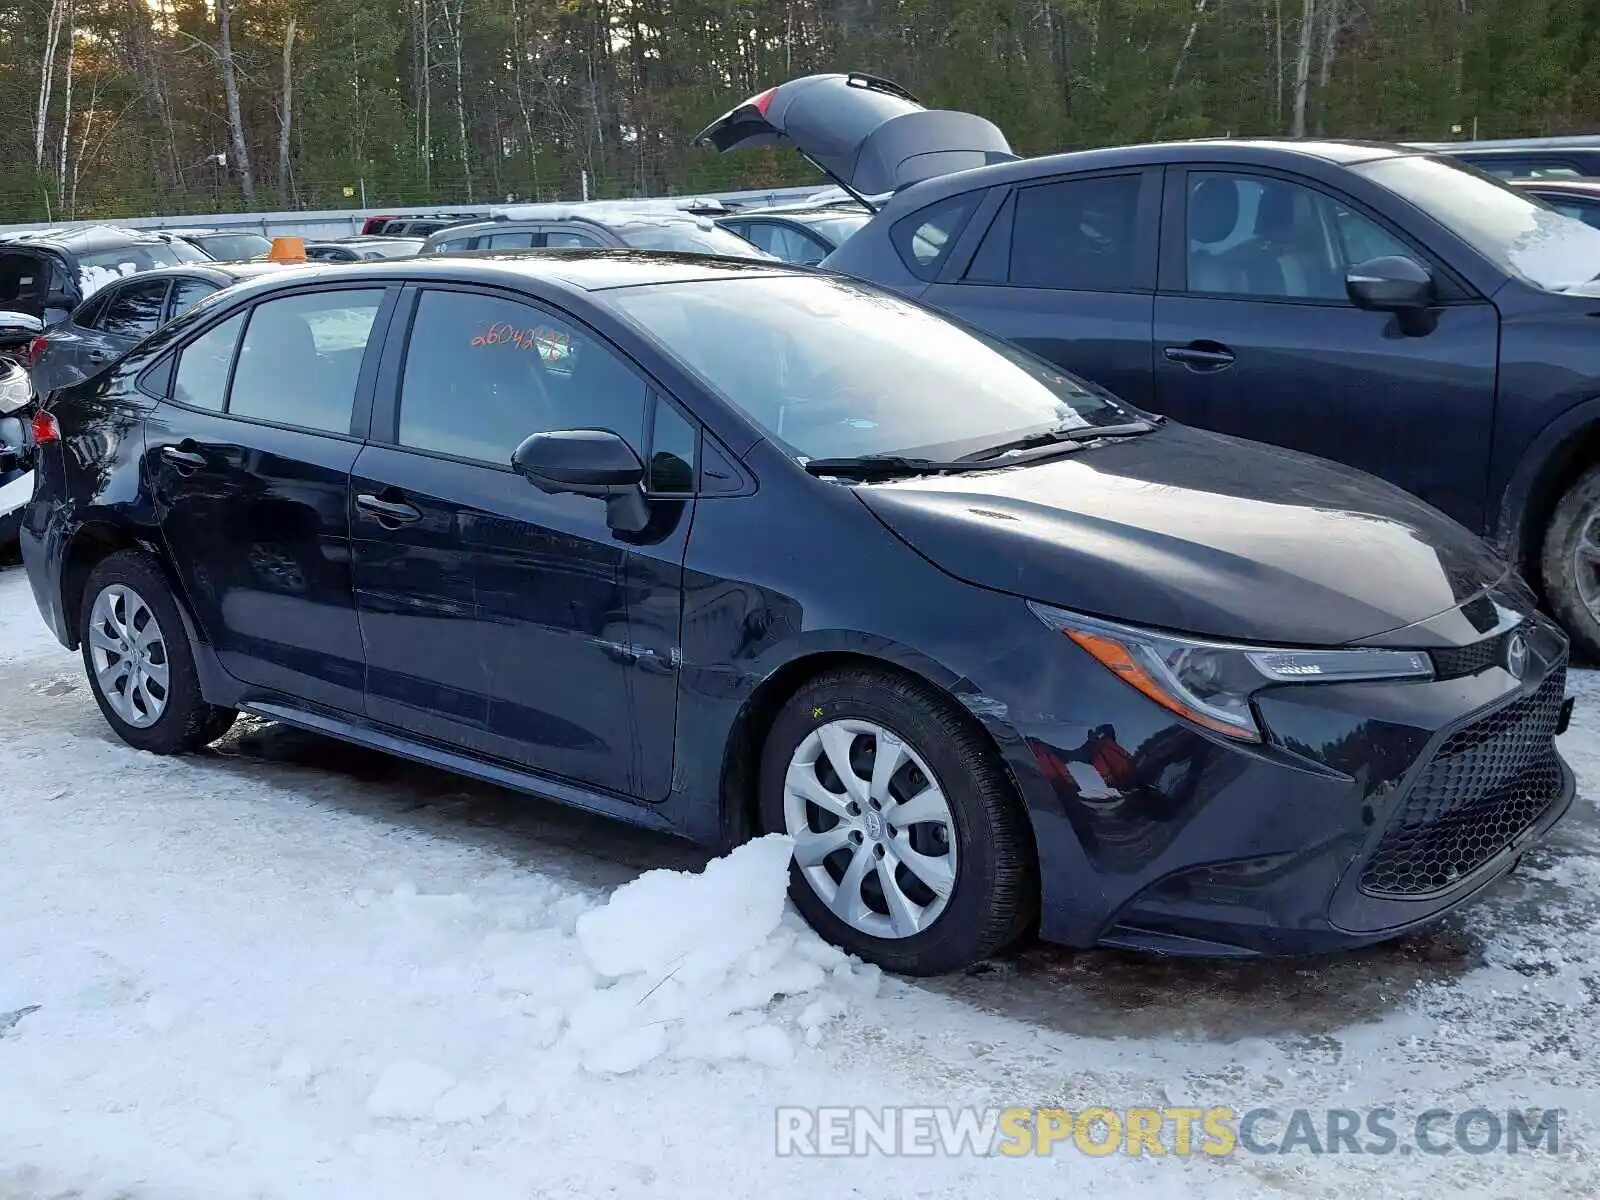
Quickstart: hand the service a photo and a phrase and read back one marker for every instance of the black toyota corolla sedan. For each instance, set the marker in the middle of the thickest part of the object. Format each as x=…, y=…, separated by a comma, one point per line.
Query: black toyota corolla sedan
x=728, y=548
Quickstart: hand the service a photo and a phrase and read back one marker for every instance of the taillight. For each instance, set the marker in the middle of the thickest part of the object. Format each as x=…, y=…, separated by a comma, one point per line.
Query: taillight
x=45, y=429
x=35, y=349
x=763, y=101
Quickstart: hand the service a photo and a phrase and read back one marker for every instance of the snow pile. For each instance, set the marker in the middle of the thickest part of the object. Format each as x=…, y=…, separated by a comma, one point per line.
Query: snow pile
x=709, y=966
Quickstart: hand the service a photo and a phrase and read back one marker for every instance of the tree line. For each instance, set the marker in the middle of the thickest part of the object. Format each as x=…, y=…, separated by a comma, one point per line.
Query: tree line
x=134, y=107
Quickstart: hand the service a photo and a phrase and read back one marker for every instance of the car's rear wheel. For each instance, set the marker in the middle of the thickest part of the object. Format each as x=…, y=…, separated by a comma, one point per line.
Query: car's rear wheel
x=139, y=662
x=1570, y=563
x=911, y=848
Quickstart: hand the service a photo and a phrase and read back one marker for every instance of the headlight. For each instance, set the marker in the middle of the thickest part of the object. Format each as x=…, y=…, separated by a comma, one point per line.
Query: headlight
x=1210, y=683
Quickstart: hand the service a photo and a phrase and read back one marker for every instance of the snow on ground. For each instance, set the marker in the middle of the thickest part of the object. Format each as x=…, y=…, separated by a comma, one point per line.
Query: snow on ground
x=293, y=973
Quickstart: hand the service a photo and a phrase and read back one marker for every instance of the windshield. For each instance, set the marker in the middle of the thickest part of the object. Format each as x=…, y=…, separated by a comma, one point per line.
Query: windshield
x=688, y=236
x=1517, y=232
x=234, y=247
x=833, y=368
x=96, y=268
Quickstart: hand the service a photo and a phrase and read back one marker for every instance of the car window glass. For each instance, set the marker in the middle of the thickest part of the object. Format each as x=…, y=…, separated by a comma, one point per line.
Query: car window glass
x=673, y=443
x=186, y=293
x=1265, y=237
x=510, y=241
x=301, y=357
x=787, y=242
x=1526, y=168
x=924, y=238
x=482, y=373
x=557, y=238
x=97, y=268
x=89, y=312
x=452, y=247
x=1078, y=235
x=992, y=262
x=134, y=309
x=201, y=380
x=1589, y=214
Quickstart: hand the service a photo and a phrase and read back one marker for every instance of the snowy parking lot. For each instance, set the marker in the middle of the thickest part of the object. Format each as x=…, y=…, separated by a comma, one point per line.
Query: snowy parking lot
x=288, y=968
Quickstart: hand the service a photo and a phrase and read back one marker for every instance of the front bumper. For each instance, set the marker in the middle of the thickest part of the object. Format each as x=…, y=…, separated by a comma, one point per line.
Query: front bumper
x=1372, y=809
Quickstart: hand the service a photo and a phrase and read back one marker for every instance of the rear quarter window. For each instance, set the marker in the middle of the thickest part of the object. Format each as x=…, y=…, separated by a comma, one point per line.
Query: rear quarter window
x=925, y=238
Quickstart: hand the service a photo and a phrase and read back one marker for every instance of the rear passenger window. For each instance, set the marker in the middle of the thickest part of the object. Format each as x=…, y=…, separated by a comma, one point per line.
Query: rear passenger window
x=925, y=238
x=301, y=357
x=510, y=241
x=201, y=380
x=1077, y=235
x=559, y=238
x=482, y=373
x=186, y=293
x=134, y=309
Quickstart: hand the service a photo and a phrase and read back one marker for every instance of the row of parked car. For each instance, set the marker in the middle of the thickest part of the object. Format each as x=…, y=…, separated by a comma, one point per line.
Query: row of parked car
x=983, y=563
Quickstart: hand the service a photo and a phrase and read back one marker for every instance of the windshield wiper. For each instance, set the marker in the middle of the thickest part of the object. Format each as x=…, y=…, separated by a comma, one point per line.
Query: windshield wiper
x=1067, y=434
x=885, y=466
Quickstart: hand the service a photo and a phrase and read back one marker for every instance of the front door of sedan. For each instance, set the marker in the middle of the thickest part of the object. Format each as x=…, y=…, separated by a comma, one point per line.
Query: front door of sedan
x=1067, y=269
x=249, y=460
x=1255, y=336
x=548, y=583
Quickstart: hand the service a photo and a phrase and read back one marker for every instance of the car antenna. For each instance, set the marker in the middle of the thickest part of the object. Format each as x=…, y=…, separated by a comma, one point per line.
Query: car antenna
x=850, y=191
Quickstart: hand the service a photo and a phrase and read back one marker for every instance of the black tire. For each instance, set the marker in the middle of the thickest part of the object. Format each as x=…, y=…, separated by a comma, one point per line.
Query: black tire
x=994, y=896
x=1559, y=569
x=188, y=722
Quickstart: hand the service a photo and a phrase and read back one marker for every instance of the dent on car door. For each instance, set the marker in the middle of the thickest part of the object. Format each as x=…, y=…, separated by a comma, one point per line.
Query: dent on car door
x=497, y=615
x=249, y=460
x=1256, y=335
x=1067, y=268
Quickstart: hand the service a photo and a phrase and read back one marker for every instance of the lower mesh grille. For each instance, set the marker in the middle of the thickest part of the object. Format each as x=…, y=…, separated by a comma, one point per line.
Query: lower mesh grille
x=1486, y=785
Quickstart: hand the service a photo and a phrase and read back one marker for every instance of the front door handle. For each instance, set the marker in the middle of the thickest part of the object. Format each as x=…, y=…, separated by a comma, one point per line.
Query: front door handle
x=391, y=514
x=97, y=356
x=1201, y=356
x=185, y=461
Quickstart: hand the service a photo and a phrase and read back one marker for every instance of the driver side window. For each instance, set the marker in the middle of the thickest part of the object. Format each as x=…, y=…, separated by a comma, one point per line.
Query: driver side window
x=1268, y=238
x=483, y=372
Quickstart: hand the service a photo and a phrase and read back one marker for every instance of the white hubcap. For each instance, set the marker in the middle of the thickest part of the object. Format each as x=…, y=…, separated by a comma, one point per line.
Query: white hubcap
x=872, y=830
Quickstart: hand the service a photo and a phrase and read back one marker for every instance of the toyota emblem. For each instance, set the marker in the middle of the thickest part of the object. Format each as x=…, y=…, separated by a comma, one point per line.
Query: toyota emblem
x=1517, y=654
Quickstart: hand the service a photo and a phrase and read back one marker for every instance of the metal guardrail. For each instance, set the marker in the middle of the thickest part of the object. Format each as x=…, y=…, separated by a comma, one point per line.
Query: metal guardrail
x=337, y=223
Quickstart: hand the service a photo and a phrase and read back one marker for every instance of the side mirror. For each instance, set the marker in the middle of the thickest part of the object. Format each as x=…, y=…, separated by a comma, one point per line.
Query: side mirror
x=588, y=462
x=1391, y=284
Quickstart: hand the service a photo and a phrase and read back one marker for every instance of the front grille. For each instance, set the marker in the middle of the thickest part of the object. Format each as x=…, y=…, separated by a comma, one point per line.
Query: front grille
x=1486, y=785
x=1456, y=661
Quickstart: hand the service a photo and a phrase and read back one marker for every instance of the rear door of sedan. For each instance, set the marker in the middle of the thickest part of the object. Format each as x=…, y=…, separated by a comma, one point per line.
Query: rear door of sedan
x=1065, y=267
x=101, y=330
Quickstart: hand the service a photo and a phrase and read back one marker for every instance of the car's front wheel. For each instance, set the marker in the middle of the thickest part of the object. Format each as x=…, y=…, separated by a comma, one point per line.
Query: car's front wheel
x=1570, y=564
x=138, y=659
x=910, y=846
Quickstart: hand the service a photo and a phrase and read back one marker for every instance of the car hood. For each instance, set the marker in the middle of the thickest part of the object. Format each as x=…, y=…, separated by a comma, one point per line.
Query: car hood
x=1197, y=532
x=867, y=133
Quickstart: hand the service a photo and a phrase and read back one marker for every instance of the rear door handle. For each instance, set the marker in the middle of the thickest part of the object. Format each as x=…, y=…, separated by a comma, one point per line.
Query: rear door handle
x=391, y=514
x=1201, y=356
x=97, y=356
x=184, y=460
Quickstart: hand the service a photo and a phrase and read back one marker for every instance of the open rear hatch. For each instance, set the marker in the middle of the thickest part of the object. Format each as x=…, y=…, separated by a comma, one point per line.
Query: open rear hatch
x=867, y=134
x=24, y=294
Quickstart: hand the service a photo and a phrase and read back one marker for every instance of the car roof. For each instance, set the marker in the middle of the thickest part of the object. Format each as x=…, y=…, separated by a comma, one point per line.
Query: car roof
x=799, y=212
x=86, y=238
x=611, y=218
x=1260, y=152
x=571, y=270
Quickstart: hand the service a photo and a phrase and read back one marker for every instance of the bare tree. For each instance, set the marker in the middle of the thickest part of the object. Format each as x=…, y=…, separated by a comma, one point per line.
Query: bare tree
x=47, y=71
x=66, y=111
x=286, y=110
x=1332, y=26
x=453, y=24
x=1302, y=68
x=230, y=89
